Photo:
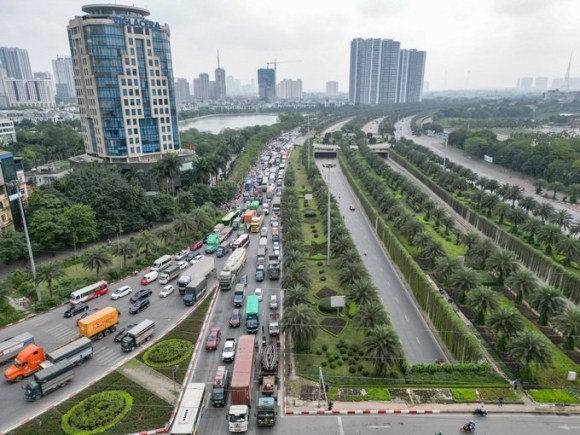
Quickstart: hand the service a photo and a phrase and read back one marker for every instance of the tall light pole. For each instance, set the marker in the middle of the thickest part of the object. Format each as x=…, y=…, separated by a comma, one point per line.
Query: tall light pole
x=328, y=166
x=445, y=152
x=32, y=264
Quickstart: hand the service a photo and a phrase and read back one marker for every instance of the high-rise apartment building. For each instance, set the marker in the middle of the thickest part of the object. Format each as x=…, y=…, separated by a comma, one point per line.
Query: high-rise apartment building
x=220, y=82
x=16, y=63
x=289, y=89
x=380, y=74
x=64, y=79
x=182, y=95
x=266, y=83
x=202, y=88
x=124, y=83
x=32, y=93
x=332, y=89
x=526, y=83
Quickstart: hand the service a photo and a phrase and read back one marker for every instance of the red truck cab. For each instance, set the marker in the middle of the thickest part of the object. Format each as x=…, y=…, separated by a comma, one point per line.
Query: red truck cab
x=26, y=363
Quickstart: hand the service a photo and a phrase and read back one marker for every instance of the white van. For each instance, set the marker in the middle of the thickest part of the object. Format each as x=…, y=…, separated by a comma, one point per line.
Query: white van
x=149, y=277
x=264, y=232
x=161, y=263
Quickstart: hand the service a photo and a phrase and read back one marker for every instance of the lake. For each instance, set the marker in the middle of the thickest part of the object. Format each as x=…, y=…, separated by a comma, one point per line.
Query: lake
x=216, y=123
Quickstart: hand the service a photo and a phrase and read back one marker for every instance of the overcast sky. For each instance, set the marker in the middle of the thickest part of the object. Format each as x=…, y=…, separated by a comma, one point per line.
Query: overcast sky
x=469, y=44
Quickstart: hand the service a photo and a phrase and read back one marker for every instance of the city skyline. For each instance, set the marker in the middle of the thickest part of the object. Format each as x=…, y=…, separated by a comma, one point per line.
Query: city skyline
x=470, y=44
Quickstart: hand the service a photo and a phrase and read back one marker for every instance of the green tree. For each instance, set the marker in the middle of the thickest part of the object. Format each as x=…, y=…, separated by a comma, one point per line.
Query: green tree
x=371, y=315
x=146, y=241
x=297, y=295
x=482, y=300
x=548, y=302
x=447, y=266
x=300, y=323
x=49, y=272
x=82, y=224
x=184, y=225
x=504, y=263
x=506, y=323
x=166, y=234
x=539, y=184
x=12, y=246
x=96, y=259
x=550, y=236
x=383, y=348
x=164, y=205
x=523, y=282
x=185, y=201
x=124, y=248
x=362, y=291
x=568, y=322
x=531, y=348
x=49, y=228
x=352, y=273
x=462, y=281
x=483, y=249
x=569, y=247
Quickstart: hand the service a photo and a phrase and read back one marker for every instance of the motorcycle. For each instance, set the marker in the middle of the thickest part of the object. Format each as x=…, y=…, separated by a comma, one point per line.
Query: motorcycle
x=467, y=428
x=481, y=412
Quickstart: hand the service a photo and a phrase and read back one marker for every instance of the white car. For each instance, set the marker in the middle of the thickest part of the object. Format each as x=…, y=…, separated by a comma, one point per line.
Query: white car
x=121, y=291
x=181, y=255
x=166, y=291
x=182, y=265
x=275, y=246
x=273, y=302
x=196, y=259
x=258, y=292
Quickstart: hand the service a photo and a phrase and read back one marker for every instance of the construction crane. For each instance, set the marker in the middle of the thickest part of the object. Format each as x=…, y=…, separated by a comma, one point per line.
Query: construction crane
x=276, y=62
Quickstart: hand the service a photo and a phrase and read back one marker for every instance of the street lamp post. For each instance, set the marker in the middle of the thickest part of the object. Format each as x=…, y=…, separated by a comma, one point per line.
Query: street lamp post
x=445, y=152
x=28, y=244
x=328, y=166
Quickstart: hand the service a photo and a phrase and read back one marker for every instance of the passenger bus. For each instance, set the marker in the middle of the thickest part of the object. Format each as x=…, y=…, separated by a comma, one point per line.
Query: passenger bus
x=90, y=292
x=241, y=242
x=228, y=219
x=190, y=411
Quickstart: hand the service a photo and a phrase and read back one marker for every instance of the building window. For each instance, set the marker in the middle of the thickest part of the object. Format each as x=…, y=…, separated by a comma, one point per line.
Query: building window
x=148, y=43
x=130, y=41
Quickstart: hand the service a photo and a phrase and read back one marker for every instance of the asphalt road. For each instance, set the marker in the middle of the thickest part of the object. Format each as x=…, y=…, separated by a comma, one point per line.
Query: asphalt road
x=418, y=341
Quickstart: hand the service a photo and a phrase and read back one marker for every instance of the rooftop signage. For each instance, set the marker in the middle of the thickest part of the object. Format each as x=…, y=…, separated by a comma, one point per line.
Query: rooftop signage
x=136, y=22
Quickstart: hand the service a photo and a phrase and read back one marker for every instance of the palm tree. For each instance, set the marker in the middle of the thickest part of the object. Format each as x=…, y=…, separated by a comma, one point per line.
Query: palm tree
x=574, y=191
x=432, y=251
x=96, y=259
x=518, y=216
x=448, y=222
x=166, y=234
x=523, y=282
x=371, y=315
x=531, y=348
x=556, y=186
x=422, y=239
x=505, y=322
x=483, y=249
x=501, y=210
x=296, y=296
x=514, y=193
x=503, y=262
x=351, y=273
x=147, y=241
x=295, y=274
x=568, y=322
x=545, y=211
x=362, y=291
x=341, y=245
x=200, y=219
x=492, y=185
x=489, y=201
x=301, y=325
x=124, y=248
x=49, y=272
x=532, y=226
x=483, y=300
x=469, y=239
x=447, y=266
x=569, y=247
x=528, y=203
x=291, y=257
x=562, y=218
x=184, y=225
x=548, y=301
x=575, y=228
x=383, y=348
x=171, y=169
x=550, y=236
x=464, y=280
x=348, y=257
x=539, y=184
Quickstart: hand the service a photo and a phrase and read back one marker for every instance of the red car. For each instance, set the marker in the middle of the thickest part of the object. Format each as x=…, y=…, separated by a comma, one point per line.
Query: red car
x=196, y=245
x=213, y=339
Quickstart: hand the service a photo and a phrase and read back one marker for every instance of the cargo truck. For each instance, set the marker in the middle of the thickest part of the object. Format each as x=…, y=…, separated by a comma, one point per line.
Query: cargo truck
x=231, y=269
x=33, y=358
x=239, y=295
x=49, y=379
x=213, y=241
x=10, y=347
x=266, y=414
x=220, y=385
x=184, y=279
x=200, y=275
x=255, y=205
x=225, y=233
x=262, y=255
x=138, y=335
x=274, y=267
x=263, y=243
x=256, y=224
x=252, y=314
x=274, y=324
x=100, y=324
x=275, y=234
x=248, y=215
x=222, y=249
x=241, y=385
x=169, y=274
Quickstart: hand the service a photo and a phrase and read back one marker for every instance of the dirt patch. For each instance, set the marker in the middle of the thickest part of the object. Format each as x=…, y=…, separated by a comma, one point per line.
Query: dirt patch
x=349, y=393
x=325, y=292
x=333, y=325
x=152, y=381
x=308, y=392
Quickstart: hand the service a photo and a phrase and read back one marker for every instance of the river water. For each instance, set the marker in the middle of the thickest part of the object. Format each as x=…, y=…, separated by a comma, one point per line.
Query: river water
x=216, y=123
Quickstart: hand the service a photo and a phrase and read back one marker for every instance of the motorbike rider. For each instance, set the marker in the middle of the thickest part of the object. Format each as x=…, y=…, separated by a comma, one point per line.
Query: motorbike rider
x=482, y=410
x=470, y=426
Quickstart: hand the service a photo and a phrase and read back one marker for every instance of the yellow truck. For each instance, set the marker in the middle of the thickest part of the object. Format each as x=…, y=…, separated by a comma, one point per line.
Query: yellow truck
x=100, y=324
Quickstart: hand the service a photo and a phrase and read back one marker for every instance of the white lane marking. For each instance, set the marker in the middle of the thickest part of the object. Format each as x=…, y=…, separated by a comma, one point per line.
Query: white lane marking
x=406, y=318
x=418, y=341
x=340, y=429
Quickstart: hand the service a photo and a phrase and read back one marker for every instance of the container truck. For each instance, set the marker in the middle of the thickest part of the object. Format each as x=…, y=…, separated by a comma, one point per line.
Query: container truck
x=225, y=233
x=49, y=379
x=222, y=249
x=184, y=279
x=213, y=241
x=199, y=279
x=169, y=274
x=138, y=335
x=252, y=314
x=100, y=324
x=256, y=224
x=248, y=215
x=274, y=267
x=10, y=347
x=274, y=324
x=231, y=269
x=33, y=358
x=239, y=295
x=241, y=385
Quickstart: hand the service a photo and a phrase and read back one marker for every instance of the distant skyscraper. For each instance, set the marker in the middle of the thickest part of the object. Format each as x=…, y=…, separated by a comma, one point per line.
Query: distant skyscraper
x=64, y=78
x=182, y=95
x=332, y=89
x=33, y=93
x=289, y=89
x=220, y=82
x=201, y=87
x=124, y=83
x=16, y=63
x=4, y=102
x=410, y=76
x=541, y=83
x=526, y=83
x=266, y=83
x=557, y=84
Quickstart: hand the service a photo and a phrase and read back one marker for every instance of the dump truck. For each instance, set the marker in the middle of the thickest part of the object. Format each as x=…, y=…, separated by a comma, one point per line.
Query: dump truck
x=231, y=269
x=10, y=347
x=273, y=267
x=169, y=274
x=248, y=215
x=213, y=241
x=200, y=275
x=241, y=385
x=138, y=335
x=274, y=324
x=252, y=314
x=239, y=295
x=32, y=358
x=100, y=324
x=49, y=379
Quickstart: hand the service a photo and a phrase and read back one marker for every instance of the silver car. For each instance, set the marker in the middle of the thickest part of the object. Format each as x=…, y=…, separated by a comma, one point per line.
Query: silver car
x=121, y=291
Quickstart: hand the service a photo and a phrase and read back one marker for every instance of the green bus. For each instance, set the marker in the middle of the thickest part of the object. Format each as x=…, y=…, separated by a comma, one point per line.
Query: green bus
x=228, y=219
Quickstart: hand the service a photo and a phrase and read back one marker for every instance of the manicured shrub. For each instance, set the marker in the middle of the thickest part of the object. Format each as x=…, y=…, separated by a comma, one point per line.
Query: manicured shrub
x=318, y=352
x=325, y=347
x=167, y=353
x=319, y=263
x=309, y=213
x=322, y=278
x=352, y=369
x=332, y=365
x=365, y=372
x=339, y=362
x=323, y=363
x=324, y=305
